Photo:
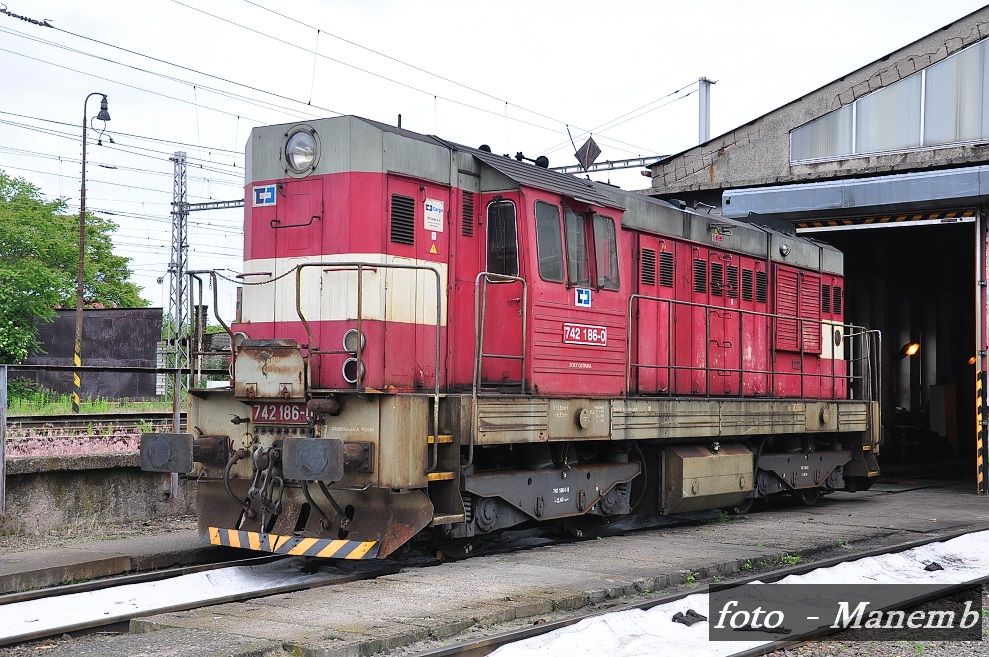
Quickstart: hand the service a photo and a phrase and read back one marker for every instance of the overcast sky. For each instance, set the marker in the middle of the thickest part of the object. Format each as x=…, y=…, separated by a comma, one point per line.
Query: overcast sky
x=512, y=74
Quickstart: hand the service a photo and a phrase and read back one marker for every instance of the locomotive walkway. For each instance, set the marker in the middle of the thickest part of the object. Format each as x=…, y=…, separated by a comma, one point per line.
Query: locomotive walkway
x=416, y=609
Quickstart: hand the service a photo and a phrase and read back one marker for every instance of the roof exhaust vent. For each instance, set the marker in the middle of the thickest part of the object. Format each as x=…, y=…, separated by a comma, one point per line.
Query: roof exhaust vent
x=485, y=148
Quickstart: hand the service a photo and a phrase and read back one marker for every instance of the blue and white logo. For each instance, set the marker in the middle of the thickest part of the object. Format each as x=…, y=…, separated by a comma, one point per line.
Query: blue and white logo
x=264, y=195
x=582, y=297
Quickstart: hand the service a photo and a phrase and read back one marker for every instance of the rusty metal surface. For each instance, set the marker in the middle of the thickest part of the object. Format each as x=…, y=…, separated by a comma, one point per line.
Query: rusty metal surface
x=696, y=477
x=380, y=515
x=270, y=370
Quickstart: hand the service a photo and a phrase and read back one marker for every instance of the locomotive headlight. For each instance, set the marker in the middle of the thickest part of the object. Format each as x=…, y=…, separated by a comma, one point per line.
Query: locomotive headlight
x=351, y=340
x=301, y=151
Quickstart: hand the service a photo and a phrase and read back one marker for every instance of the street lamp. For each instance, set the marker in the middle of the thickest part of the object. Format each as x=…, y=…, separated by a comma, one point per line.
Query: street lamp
x=104, y=116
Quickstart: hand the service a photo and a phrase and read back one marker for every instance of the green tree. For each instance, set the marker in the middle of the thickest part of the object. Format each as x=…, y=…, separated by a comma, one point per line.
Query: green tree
x=39, y=252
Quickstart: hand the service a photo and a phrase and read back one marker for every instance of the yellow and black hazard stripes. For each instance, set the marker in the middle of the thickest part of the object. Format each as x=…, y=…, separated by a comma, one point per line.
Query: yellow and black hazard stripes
x=981, y=458
x=294, y=545
x=76, y=380
x=886, y=219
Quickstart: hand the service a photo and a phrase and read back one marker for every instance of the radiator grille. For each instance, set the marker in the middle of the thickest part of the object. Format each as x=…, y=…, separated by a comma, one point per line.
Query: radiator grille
x=746, y=285
x=731, y=282
x=717, y=278
x=700, y=275
x=761, y=287
x=836, y=300
x=648, y=266
x=402, y=219
x=825, y=298
x=467, y=209
x=666, y=269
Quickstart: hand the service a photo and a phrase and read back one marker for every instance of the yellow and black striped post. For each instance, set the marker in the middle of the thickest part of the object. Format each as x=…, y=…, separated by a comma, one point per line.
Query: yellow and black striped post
x=981, y=459
x=76, y=380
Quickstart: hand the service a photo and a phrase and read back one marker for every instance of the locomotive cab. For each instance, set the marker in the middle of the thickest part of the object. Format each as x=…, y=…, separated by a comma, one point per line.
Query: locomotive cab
x=434, y=338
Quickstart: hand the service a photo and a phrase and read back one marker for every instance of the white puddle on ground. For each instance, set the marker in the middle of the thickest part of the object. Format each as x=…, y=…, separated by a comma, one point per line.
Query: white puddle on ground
x=58, y=614
x=652, y=633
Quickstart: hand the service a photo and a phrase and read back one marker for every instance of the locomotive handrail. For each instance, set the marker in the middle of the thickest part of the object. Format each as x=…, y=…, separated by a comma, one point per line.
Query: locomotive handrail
x=848, y=331
x=359, y=375
x=481, y=282
x=196, y=334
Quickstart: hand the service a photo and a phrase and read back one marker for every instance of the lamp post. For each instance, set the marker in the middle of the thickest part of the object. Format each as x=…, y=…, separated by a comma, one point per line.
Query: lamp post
x=104, y=116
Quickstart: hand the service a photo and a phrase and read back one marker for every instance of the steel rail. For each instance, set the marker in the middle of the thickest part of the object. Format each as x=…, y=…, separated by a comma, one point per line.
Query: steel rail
x=108, y=618
x=133, y=578
x=487, y=645
x=84, y=420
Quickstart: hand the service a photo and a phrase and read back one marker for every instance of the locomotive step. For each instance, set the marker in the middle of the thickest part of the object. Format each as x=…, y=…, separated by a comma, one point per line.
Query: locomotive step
x=441, y=476
x=446, y=519
x=445, y=439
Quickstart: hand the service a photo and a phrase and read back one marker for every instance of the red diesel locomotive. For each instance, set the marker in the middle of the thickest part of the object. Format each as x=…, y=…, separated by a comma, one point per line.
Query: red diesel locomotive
x=435, y=339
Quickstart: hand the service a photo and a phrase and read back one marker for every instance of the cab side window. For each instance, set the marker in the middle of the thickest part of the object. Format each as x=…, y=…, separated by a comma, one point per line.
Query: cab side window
x=503, y=245
x=606, y=253
x=549, y=244
x=578, y=261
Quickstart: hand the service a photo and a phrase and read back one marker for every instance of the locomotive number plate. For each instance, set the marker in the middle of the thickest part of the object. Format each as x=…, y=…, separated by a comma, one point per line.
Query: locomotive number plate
x=280, y=413
x=583, y=334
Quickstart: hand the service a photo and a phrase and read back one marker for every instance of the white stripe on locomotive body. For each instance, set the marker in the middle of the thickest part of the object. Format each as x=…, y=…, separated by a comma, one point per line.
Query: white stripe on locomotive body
x=832, y=332
x=393, y=295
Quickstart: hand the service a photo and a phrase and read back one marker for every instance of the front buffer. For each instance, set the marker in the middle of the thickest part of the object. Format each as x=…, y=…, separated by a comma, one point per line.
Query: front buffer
x=338, y=477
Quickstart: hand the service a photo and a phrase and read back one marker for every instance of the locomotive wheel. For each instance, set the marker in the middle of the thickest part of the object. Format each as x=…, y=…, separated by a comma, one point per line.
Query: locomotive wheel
x=582, y=527
x=455, y=549
x=809, y=496
x=743, y=507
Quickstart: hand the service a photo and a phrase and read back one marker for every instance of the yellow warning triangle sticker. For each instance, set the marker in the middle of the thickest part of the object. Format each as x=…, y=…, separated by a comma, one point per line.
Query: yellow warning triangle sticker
x=433, y=250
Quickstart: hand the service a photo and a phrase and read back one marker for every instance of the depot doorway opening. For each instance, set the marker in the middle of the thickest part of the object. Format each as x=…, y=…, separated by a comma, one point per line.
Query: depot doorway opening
x=916, y=284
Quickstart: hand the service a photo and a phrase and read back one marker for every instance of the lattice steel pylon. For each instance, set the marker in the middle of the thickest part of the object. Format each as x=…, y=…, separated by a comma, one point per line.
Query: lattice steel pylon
x=177, y=267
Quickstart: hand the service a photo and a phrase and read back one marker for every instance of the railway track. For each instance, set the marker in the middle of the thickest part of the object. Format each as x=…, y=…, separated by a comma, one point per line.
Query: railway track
x=90, y=420
x=114, y=601
x=482, y=646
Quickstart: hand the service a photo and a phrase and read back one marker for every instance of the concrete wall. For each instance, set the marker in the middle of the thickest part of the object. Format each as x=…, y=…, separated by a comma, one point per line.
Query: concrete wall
x=78, y=495
x=758, y=153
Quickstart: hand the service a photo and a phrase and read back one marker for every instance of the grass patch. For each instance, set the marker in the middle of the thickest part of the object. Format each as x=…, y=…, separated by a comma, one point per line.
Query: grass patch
x=791, y=559
x=45, y=402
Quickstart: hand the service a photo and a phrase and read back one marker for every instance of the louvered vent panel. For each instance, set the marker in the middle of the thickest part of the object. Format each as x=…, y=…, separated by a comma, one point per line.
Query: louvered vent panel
x=836, y=300
x=786, y=305
x=810, y=309
x=700, y=275
x=717, y=278
x=403, y=219
x=746, y=285
x=467, y=207
x=648, y=274
x=761, y=287
x=666, y=269
x=731, y=282
x=825, y=298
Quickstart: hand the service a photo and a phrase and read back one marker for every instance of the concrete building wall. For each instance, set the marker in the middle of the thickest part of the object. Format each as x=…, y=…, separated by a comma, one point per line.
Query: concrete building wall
x=758, y=153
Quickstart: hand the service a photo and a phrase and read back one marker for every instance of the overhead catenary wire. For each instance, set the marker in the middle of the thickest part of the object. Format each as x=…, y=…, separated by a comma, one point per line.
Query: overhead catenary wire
x=124, y=148
x=94, y=180
x=107, y=165
x=639, y=149
x=221, y=92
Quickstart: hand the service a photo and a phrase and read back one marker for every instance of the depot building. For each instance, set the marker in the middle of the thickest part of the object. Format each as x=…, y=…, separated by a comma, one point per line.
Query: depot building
x=890, y=164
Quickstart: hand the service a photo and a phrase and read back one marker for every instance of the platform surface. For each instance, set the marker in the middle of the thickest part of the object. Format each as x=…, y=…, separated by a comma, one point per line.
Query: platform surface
x=460, y=599
x=26, y=569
